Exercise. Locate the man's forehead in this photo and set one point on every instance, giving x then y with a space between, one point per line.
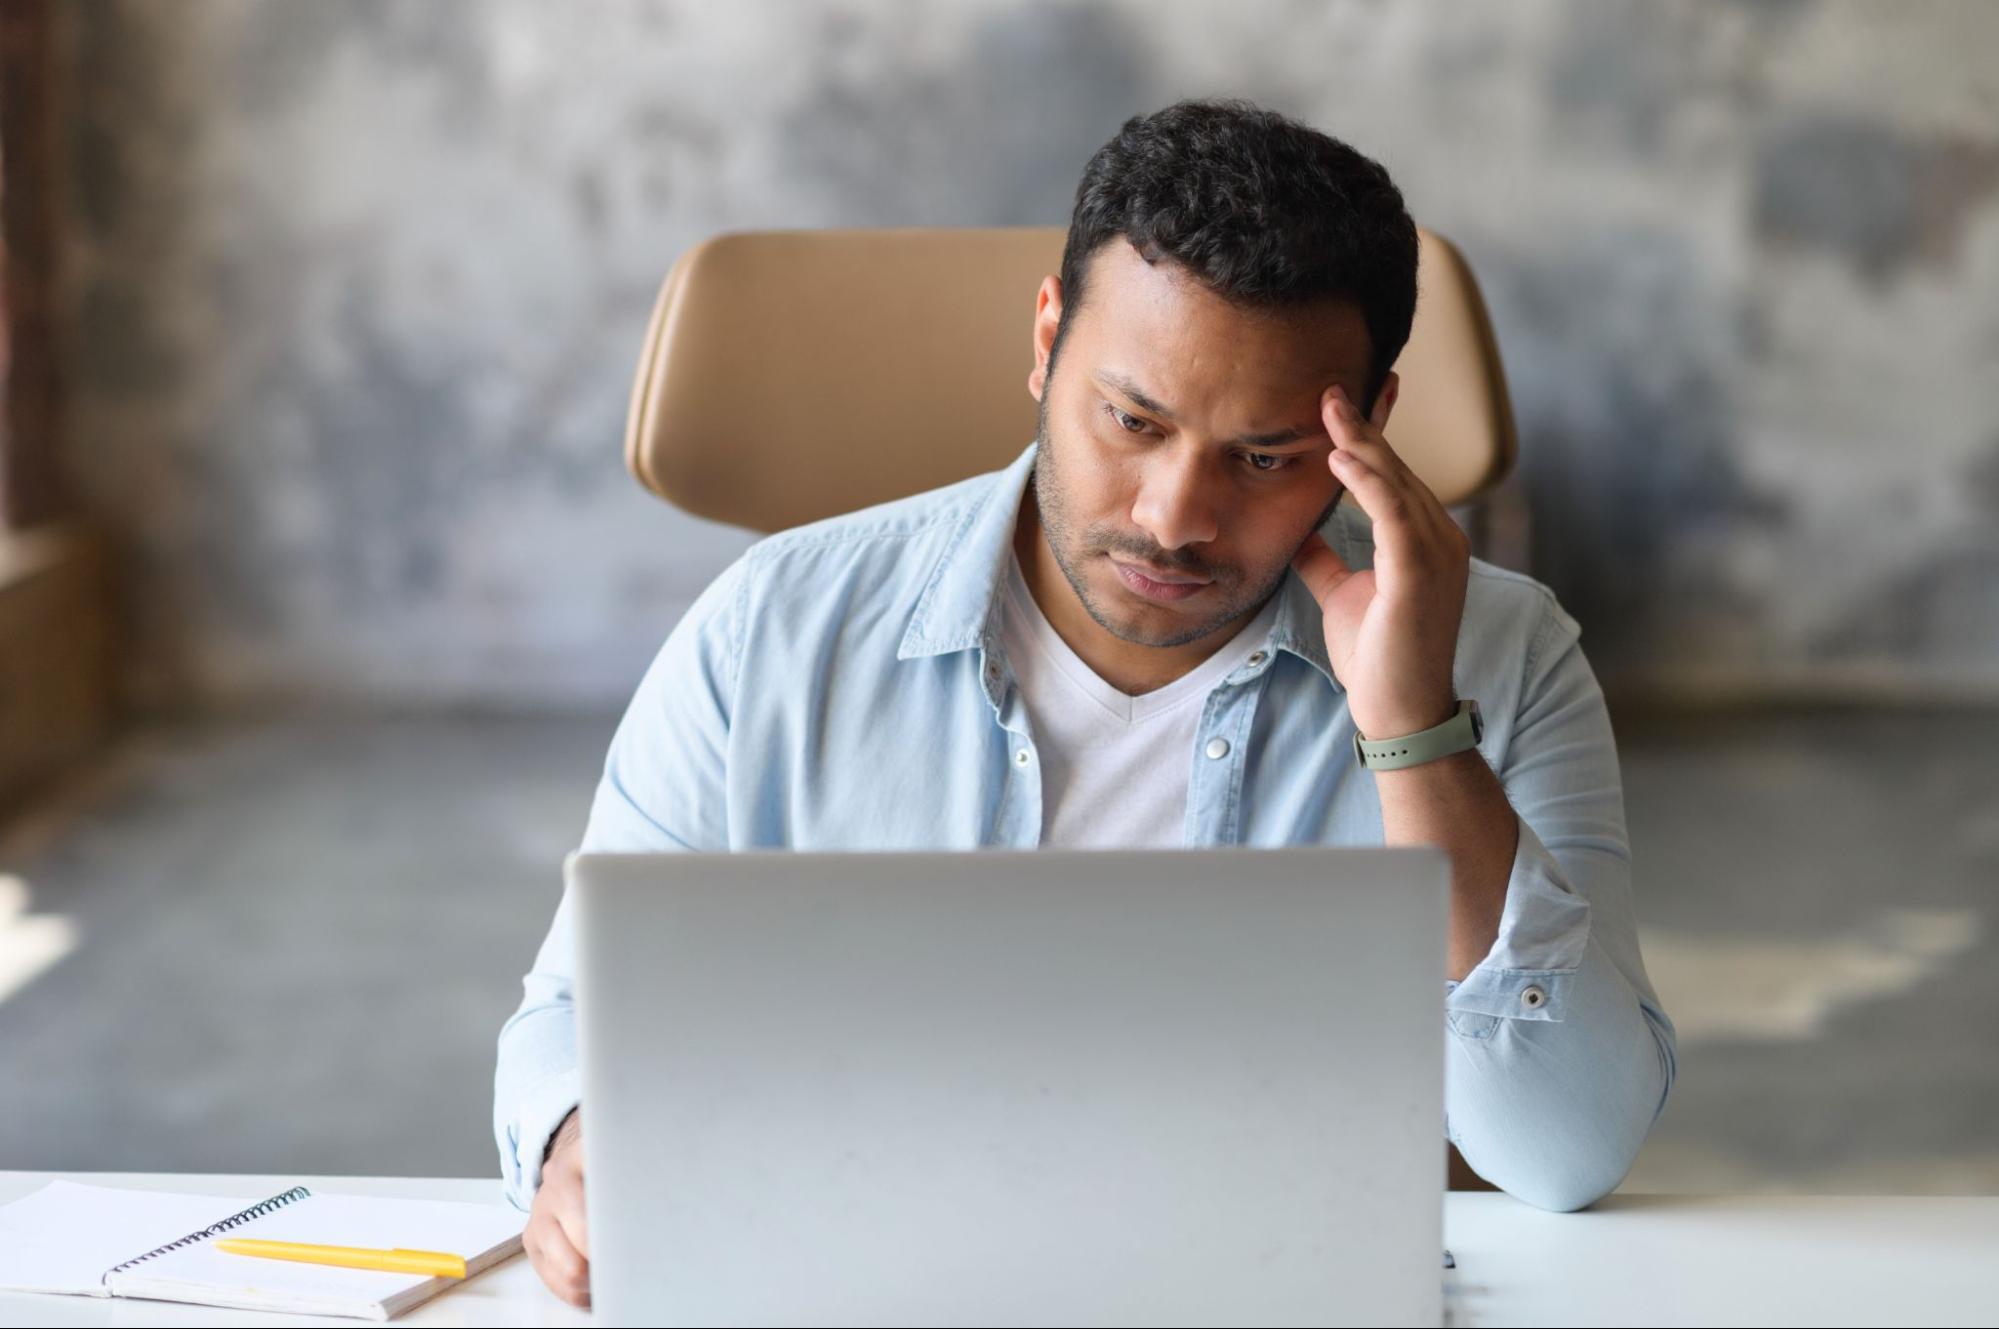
1156 323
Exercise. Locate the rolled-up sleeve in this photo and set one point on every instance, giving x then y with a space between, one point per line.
1559 1055
663 790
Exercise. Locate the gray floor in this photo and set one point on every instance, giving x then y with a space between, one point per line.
285 944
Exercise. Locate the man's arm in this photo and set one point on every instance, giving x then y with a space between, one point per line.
1458 803
1559 1057
663 790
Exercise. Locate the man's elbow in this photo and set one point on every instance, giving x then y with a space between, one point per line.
1575 1168
1571 1184
1573 1178
1566 1166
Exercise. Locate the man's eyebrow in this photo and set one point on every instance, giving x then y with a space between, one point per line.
1110 378
1279 438
1133 391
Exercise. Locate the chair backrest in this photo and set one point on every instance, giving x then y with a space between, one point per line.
794 375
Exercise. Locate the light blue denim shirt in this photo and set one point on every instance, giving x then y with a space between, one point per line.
843 685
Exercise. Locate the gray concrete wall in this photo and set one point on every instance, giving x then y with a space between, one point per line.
359 286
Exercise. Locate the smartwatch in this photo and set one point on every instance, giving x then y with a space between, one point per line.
1463 730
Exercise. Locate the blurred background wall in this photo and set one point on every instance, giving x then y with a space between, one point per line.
359 287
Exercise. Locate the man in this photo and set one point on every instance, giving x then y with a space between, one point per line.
1136 635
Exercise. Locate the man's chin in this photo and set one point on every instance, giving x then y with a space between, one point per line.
1143 623
1135 623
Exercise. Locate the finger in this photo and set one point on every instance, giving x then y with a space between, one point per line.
1322 570
1350 431
1385 502
1409 523
575 1221
1364 440
1410 501
1409 554
560 1265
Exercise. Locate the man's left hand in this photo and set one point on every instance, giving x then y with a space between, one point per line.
1391 630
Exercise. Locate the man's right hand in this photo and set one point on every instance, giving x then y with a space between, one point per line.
557 1236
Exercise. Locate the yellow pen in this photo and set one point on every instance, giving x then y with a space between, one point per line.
397 1261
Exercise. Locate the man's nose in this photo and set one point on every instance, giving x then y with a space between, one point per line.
1175 502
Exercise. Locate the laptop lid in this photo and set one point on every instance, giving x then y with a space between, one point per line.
1014 1087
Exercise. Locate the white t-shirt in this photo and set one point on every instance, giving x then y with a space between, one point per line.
1113 766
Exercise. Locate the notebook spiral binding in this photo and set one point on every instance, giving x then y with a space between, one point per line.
257 1210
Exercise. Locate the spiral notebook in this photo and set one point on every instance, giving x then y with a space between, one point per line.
101 1241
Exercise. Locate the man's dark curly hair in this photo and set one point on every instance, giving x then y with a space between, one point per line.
1263 210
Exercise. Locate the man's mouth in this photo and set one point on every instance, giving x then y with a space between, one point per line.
1156 585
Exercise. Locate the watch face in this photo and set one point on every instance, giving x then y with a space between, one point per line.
1477 725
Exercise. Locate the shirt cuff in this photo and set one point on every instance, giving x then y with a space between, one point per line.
541 1111
1543 930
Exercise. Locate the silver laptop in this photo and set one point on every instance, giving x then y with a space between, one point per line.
1053 1087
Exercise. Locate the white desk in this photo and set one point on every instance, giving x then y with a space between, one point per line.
1634 1259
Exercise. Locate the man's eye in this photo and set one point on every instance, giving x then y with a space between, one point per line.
1276 463
1131 424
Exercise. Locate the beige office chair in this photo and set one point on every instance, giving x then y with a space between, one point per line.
794 375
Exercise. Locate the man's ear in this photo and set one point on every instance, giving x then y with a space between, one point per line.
1384 401
1047 318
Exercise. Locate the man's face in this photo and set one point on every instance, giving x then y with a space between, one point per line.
1182 433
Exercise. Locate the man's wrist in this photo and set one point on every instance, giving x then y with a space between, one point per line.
1456 734
565 1131
1401 724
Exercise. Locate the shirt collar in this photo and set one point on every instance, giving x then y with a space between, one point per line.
960 604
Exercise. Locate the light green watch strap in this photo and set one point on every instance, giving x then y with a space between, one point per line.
1461 731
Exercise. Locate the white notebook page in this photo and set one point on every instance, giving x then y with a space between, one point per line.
64 1236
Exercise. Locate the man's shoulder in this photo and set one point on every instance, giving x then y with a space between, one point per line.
881 546
1514 622
895 519
1516 595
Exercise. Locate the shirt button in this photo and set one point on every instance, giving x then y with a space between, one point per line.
1532 997
1256 657
1020 757
1218 748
